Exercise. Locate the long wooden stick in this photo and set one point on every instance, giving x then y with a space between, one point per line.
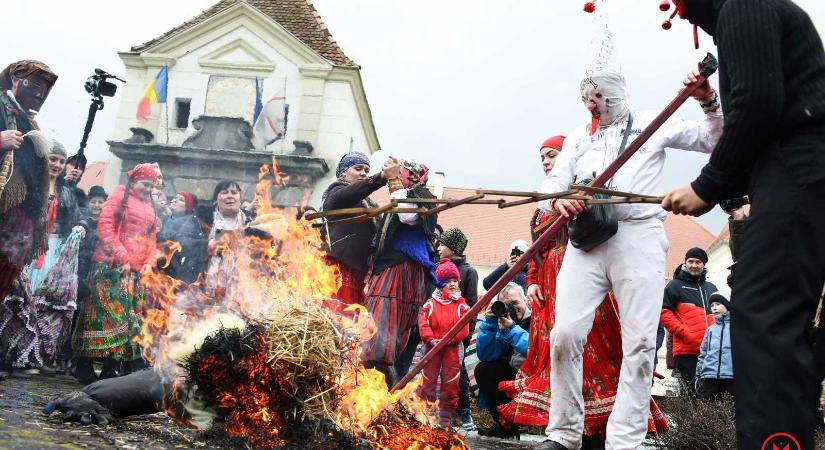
537 198
460 202
597 190
708 68
508 193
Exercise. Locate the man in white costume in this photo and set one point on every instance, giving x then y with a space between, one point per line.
631 262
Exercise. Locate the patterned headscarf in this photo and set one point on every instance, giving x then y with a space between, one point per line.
24 68
349 160
413 173
142 172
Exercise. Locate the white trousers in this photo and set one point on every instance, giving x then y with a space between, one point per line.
632 262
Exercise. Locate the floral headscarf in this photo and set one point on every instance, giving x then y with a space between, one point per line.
413 173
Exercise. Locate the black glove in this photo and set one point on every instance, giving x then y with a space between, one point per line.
80 407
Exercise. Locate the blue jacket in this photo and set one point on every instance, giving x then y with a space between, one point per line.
510 344
715 360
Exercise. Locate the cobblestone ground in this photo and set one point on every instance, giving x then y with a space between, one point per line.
24 427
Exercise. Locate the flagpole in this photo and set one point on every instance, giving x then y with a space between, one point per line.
285 120
166 112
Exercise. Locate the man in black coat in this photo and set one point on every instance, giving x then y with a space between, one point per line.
772 78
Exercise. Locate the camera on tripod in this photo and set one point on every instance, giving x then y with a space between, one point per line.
99 87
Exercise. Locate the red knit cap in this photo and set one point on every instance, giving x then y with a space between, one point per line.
554 142
446 270
188 201
142 172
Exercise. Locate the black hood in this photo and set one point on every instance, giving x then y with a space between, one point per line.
704 13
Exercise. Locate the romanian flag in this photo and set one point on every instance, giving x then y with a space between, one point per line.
155 93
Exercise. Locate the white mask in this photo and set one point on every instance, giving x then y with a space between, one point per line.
609 92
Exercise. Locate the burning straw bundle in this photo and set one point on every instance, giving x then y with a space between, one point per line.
307 350
269 379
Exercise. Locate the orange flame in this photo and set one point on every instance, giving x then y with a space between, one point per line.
249 278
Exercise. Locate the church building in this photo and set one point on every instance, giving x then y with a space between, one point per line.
220 65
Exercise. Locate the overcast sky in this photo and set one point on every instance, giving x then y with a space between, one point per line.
470 87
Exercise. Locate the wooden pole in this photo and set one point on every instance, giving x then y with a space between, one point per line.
709 66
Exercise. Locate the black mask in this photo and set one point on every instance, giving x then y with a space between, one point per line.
703 13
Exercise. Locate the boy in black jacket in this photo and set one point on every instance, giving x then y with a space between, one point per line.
772 79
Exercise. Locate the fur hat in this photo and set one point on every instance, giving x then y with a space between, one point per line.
445 271
697 253
718 297
455 240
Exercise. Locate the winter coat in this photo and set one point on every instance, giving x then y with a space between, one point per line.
351 244
491 279
686 311
132 238
71 209
510 345
438 315
469 280
188 263
715 358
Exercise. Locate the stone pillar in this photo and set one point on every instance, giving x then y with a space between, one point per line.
312 101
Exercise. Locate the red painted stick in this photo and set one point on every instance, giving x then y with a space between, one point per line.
708 67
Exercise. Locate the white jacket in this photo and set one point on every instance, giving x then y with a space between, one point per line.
583 155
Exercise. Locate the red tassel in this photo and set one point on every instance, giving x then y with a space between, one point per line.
664 6
589 7
667 24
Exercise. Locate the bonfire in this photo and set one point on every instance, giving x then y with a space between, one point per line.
264 361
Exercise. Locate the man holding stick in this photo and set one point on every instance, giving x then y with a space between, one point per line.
773 148
630 262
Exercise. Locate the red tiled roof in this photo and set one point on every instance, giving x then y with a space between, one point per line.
94 175
724 234
684 233
490 230
299 17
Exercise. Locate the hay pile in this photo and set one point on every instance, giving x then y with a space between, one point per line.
309 352
267 380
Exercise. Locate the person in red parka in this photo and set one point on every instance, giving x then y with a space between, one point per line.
111 318
686 313
437 316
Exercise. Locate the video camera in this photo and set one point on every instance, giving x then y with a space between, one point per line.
99 87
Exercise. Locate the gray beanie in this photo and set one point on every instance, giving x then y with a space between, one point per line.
58 149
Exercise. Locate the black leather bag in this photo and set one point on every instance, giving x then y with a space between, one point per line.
597 223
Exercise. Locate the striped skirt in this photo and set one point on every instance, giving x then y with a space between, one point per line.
351 290
394 298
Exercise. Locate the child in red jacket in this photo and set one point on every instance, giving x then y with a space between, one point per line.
437 316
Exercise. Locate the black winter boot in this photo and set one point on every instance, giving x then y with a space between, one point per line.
108 370
84 371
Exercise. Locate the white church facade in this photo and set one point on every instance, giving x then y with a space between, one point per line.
218 61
